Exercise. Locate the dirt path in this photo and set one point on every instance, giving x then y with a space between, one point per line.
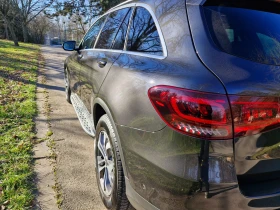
75 167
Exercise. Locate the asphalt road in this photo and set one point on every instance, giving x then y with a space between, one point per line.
74 148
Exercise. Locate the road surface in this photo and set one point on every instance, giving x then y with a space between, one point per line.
75 166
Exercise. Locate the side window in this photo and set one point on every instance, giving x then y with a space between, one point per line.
143 34
92 34
119 41
111 28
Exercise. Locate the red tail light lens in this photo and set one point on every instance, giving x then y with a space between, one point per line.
209 116
252 115
198 114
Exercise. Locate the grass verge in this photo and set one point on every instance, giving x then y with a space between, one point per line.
18 73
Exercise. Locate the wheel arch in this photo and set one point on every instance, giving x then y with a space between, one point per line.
99 108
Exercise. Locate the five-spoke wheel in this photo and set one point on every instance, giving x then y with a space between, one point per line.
109 170
105 163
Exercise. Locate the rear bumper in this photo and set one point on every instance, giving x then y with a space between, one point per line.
165 170
224 197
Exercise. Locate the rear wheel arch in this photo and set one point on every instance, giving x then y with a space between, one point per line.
99 108
97 113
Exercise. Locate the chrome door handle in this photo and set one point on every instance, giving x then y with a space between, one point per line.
102 63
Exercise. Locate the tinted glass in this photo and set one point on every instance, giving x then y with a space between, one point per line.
92 34
121 35
111 28
246 32
143 34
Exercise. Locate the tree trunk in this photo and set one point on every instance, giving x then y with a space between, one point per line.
14 37
6 30
25 32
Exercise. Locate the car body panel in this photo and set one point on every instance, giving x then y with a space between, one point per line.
73 68
164 169
92 75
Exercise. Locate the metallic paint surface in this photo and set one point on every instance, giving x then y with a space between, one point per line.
73 68
92 75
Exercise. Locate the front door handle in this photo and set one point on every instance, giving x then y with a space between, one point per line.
102 63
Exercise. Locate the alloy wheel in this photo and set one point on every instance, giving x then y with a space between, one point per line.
105 163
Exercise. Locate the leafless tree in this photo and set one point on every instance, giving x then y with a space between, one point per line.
38 28
30 9
9 13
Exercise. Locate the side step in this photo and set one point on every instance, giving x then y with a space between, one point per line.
83 114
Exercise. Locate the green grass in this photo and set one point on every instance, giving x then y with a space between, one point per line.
18 73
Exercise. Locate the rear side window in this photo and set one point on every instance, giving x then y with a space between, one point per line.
92 34
111 28
143 35
246 29
121 35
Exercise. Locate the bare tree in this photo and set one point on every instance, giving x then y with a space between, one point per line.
30 9
38 28
5 27
9 13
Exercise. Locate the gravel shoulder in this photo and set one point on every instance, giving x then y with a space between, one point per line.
75 173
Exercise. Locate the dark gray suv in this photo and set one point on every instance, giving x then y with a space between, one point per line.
183 97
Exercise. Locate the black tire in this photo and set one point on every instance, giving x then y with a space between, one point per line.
67 86
117 200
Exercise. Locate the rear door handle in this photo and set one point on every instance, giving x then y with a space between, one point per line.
102 63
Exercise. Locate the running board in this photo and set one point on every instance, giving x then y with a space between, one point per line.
83 114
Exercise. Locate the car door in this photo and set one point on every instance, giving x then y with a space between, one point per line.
95 63
74 63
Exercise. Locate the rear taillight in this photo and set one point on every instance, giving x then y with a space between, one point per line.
198 114
253 115
209 116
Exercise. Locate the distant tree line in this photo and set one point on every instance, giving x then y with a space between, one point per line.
30 20
17 17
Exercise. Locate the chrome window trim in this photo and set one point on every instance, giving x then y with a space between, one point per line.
133 6
128 52
119 5
128 29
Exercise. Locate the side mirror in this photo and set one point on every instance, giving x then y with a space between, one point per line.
69 45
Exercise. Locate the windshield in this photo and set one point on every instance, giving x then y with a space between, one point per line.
245 31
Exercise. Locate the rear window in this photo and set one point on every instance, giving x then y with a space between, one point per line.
247 29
